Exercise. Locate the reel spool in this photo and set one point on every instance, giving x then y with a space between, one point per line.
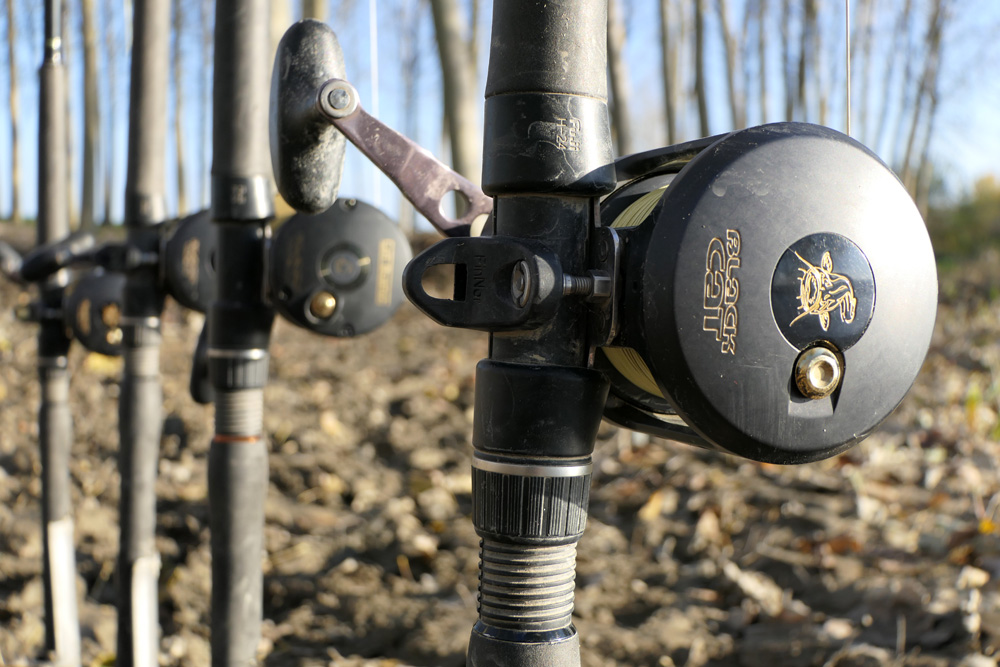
338 273
780 293
188 261
92 311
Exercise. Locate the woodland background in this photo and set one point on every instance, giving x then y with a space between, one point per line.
886 555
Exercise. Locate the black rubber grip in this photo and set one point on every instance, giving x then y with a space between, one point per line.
515 507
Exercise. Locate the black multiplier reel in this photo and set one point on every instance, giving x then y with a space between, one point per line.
88 308
770 293
337 273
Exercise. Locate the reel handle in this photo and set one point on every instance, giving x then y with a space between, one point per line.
51 258
314 110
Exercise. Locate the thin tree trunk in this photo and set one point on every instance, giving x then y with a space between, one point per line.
91 116
459 75
618 76
474 34
67 38
787 59
729 47
891 61
926 90
762 58
178 64
745 49
207 56
280 19
669 63
701 91
315 9
410 58
864 41
805 45
819 71
925 172
110 118
15 114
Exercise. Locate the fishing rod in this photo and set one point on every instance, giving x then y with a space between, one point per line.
239 328
140 406
335 273
768 293
55 428
115 309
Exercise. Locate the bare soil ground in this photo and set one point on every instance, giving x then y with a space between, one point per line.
886 555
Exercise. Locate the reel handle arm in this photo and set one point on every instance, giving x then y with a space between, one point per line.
423 179
51 258
80 249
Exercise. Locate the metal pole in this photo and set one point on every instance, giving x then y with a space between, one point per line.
55 428
239 326
547 160
140 406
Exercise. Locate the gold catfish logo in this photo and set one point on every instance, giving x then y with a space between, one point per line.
821 292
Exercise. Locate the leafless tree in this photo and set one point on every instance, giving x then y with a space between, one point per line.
762 58
315 9
207 56
861 57
669 54
892 60
788 59
460 90
15 114
67 38
411 12
730 48
700 84
91 116
111 50
925 107
178 67
618 78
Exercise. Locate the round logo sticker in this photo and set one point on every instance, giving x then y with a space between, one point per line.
823 289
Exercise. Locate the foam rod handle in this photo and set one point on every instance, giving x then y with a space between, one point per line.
307 152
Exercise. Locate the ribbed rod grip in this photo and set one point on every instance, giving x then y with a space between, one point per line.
529 507
525 587
239 413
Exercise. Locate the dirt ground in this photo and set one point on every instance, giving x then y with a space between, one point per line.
886 555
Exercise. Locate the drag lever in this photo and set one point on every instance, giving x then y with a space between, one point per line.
423 179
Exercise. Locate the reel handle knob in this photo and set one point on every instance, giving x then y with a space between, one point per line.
307 152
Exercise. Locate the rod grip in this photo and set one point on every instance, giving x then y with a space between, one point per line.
140 418
237 486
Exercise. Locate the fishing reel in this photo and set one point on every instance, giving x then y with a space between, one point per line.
187 266
92 311
770 293
92 304
89 310
337 273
